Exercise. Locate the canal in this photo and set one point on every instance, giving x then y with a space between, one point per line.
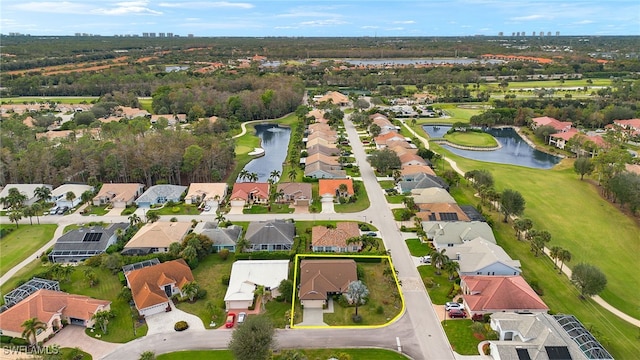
275 142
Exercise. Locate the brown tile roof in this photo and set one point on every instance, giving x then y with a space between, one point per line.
316 113
242 190
329 150
159 234
427 209
382 139
44 304
207 191
499 293
319 277
549 121
408 157
329 186
415 169
330 136
297 190
329 160
119 192
324 236
146 284
631 123
321 127
335 98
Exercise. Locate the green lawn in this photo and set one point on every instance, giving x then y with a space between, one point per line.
209 275
387 184
460 336
177 209
74 354
556 83
96 210
23 242
197 354
472 138
311 354
275 209
417 247
395 199
276 312
441 286
362 203
146 104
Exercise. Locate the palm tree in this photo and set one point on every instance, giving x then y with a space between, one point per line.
43 193
31 329
564 256
189 253
27 211
190 290
147 355
91 277
152 216
37 208
174 249
86 196
438 259
522 226
274 175
343 188
101 319
15 216
134 219
293 174
220 217
70 196
242 245
244 174
451 267
253 177
554 252
14 199
397 175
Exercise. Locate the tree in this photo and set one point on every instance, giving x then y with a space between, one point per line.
70 196
511 203
564 256
152 216
101 319
522 225
147 355
286 289
31 327
438 259
27 211
554 253
174 249
451 267
189 253
15 216
293 174
588 279
42 193
242 245
37 211
357 294
190 289
112 262
583 166
384 160
274 175
244 174
14 199
253 340
86 196
134 219
375 130
480 178
362 103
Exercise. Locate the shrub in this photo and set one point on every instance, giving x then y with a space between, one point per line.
223 254
225 280
379 310
536 287
173 219
181 326
202 293
428 282
4 339
19 341
356 318
175 209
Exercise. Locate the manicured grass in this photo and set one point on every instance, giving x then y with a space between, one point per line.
177 209
395 199
556 83
439 292
146 104
383 295
417 247
275 209
23 242
276 311
209 275
386 184
95 210
460 336
472 138
74 354
361 203
197 354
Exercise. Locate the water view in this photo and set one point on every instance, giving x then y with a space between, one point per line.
514 150
274 141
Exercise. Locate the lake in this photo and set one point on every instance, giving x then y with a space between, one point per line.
275 142
514 150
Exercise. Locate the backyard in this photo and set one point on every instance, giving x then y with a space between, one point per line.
22 242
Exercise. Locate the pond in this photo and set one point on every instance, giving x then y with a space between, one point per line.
275 142
514 150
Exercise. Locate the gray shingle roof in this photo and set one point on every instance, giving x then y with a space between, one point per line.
271 232
166 191
73 240
219 236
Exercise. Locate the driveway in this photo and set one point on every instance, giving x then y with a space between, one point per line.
72 336
163 322
236 209
327 205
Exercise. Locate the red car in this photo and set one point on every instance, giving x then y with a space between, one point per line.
457 313
231 319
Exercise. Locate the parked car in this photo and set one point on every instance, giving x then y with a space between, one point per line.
426 259
207 208
241 317
231 319
54 210
456 313
453 305
372 233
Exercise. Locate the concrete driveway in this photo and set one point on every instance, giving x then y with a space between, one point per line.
163 322
72 336
236 209
327 205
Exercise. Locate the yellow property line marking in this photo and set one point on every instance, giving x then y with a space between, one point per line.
295 287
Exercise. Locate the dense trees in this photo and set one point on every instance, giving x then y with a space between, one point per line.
588 279
385 160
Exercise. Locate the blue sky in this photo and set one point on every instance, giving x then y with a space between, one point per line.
321 18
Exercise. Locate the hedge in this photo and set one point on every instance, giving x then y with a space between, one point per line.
264 255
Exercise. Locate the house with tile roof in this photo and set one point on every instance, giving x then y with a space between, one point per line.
247 193
319 141
274 235
416 169
432 195
408 159
493 294
118 195
298 194
331 136
247 275
482 257
335 98
52 308
631 125
153 286
59 194
326 150
447 234
222 237
320 170
27 190
211 194
327 160
320 279
561 139
382 140
160 195
559 126
156 237
331 188
80 244
325 239
441 212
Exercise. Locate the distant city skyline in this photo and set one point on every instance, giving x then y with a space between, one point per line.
321 18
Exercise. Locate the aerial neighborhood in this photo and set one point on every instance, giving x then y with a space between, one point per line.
436 209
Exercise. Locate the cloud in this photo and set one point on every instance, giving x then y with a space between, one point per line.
127 8
63 7
583 22
528 17
324 22
206 4
404 22
305 13
395 29
369 27
286 27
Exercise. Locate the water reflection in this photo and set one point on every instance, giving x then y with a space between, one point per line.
275 141
514 150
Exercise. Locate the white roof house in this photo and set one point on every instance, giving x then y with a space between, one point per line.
446 234
26 189
246 275
432 195
59 194
482 257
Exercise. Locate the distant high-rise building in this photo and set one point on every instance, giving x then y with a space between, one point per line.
518 33
145 34
557 33
513 34
500 33
541 33
78 34
190 35
523 33
548 33
152 35
169 34
161 35
533 33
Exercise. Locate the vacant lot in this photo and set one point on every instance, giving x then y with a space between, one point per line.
23 242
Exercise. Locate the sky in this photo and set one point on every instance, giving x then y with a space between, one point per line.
258 18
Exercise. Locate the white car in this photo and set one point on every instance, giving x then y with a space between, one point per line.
453 305
241 317
426 259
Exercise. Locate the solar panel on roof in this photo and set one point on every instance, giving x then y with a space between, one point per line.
448 216
92 237
523 354
558 352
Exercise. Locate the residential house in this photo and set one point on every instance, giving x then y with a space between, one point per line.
420 181
325 239
446 234
52 308
248 275
160 195
327 160
80 244
320 279
208 194
323 149
491 294
222 237
482 257
59 194
542 336
274 235
321 127
382 140
408 159
117 195
335 98
332 136
416 169
130 113
318 115
156 237
559 126
320 170
432 195
331 188
247 193
25 189
441 212
383 122
298 194
632 126
319 141
153 286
